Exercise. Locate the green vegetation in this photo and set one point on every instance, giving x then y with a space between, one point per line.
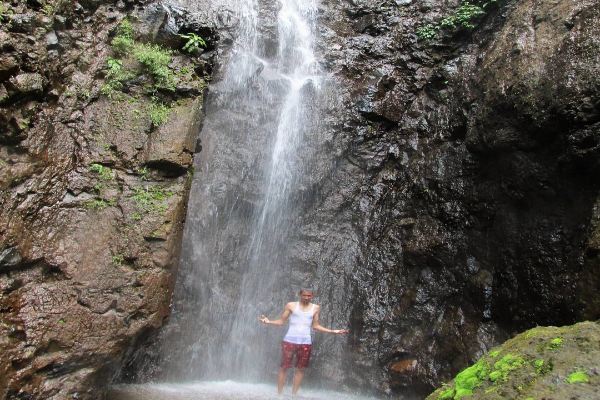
542 367
123 42
428 32
156 62
98 204
118 259
144 173
150 61
464 17
555 343
538 362
504 366
194 42
151 199
115 76
158 113
5 12
483 371
578 377
105 173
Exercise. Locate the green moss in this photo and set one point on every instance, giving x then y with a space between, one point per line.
542 367
470 378
494 353
505 365
555 343
578 377
447 394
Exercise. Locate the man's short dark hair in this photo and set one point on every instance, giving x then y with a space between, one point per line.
306 291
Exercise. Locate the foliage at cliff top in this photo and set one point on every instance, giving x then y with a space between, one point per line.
146 70
541 363
464 17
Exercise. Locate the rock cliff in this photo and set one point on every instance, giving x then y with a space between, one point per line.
96 146
464 205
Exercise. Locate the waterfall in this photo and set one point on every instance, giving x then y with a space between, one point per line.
246 198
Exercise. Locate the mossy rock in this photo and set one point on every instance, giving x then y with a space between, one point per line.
541 363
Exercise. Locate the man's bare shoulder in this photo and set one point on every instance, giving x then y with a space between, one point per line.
317 307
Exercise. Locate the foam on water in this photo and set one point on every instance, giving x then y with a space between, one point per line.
220 390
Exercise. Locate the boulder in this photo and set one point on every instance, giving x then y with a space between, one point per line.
541 363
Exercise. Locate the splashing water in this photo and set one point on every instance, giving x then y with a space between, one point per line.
245 198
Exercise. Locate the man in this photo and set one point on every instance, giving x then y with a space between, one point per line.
303 316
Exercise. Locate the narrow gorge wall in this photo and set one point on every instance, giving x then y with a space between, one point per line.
463 206
94 183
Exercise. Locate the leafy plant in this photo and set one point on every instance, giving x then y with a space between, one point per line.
151 199
143 173
158 113
462 18
123 42
106 174
427 32
194 42
156 61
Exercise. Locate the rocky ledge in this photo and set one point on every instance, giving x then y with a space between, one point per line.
99 112
541 363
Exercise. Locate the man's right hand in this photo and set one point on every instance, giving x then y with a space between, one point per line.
263 319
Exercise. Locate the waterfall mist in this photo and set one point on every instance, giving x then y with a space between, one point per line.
248 194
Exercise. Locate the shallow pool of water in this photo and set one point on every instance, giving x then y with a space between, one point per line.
223 390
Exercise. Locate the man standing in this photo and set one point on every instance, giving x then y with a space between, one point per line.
303 316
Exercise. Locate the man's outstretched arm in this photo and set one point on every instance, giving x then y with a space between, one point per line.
317 326
278 322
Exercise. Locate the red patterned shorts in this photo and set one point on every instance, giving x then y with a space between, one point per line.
302 352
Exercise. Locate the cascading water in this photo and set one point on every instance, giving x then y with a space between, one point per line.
254 182
244 202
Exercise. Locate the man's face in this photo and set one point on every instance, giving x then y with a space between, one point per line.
306 297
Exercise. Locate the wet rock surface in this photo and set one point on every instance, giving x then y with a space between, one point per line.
461 208
541 363
93 194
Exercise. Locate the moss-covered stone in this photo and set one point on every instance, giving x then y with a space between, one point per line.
544 362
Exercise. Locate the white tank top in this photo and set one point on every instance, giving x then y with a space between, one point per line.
300 324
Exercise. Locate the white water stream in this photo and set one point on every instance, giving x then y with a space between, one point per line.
244 205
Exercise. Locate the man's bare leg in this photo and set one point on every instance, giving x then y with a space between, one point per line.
298 375
281 380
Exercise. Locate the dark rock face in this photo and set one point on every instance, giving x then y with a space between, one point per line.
93 196
461 208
